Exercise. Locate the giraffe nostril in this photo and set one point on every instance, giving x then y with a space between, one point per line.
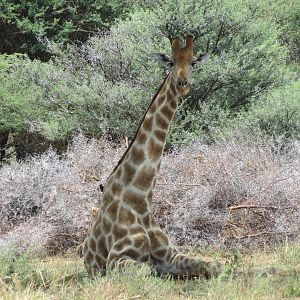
182 83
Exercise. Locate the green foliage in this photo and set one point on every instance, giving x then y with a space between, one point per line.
246 61
287 15
28 25
275 116
13 109
56 101
206 122
104 85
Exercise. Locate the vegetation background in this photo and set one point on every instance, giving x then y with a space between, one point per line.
75 79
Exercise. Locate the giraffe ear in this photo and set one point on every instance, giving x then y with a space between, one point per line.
164 59
200 59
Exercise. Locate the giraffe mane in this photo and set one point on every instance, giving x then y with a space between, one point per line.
135 135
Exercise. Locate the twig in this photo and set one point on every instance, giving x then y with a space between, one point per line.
262 233
259 206
184 184
126 142
234 226
95 177
44 284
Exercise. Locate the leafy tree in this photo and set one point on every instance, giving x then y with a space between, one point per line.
287 15
27 26
275 116
104 85
247 58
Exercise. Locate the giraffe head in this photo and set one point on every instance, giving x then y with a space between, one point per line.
182 62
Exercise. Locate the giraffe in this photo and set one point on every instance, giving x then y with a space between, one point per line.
124 232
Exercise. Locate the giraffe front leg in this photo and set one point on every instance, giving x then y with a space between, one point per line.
183 266
168 261
121 263
129 253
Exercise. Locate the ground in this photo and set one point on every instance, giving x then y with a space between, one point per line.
259 274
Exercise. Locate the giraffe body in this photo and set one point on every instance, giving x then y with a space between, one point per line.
124 232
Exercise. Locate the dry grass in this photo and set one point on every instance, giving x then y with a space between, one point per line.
46 201
258 275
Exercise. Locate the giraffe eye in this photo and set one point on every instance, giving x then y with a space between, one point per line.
169 64
194 63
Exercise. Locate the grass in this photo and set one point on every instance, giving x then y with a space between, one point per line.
260 274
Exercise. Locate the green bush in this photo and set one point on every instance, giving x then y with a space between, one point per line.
27 26
275 116
247 60
56 101
105 85
287 15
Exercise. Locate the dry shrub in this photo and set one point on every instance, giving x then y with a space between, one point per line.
233 194
47 200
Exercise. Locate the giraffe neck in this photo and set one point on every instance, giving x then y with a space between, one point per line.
141 161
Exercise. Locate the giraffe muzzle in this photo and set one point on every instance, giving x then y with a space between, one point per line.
183 87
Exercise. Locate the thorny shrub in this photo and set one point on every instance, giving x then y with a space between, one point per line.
227 194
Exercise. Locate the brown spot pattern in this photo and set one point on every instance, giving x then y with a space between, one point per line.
147 124
170 95
89 257
141 138
154 150
137 155
116 189
107 198
140 242
99 261
137 230
144 178
109 241
161 135
153 107
126 217
164 239
96 231
122 244
101 247
119 232
169 254
106 225
150 195
128 173
155 243
173 88
160 252
136 201
173 104
92 244
167 112
160 100
113 209
161 122
132 253
146 221
119 172
158 239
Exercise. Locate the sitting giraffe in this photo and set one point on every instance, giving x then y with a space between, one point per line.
124 231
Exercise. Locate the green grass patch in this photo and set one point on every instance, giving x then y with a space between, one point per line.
261 274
